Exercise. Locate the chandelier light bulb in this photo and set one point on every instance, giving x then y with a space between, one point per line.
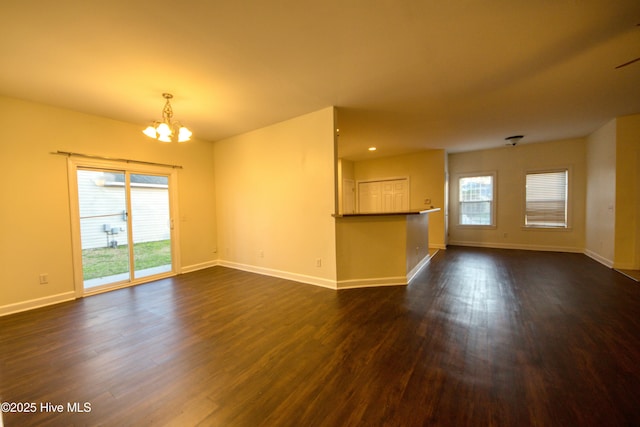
150 131
184 134
163 129
167 130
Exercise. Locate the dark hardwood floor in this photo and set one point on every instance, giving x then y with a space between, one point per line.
481 337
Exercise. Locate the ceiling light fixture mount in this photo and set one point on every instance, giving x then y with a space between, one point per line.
513 140
167 130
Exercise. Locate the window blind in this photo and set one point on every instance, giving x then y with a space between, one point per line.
546 199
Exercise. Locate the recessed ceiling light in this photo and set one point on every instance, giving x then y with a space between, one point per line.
372 148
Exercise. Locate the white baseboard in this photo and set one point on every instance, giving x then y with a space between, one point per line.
36 303
327 283
200 266
296 277
415 270
495 245
602 260
372 282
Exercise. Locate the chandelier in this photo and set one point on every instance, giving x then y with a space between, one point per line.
167 130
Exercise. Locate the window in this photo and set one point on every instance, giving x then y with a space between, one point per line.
476 196
546 199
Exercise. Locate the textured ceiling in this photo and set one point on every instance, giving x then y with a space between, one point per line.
405 74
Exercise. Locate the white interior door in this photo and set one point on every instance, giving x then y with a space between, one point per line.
395 196
369 197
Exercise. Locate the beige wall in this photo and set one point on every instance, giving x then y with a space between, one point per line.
275 199
371 250
426 172
36 235
601 194
381 250
627 228
263 201
510 165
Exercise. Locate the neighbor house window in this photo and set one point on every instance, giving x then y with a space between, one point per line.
476 197
546 199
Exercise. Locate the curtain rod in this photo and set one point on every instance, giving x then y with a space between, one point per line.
91 156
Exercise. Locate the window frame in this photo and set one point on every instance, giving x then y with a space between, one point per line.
568 199
494 201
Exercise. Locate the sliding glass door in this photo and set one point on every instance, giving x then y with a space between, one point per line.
151 224
124 229
102 200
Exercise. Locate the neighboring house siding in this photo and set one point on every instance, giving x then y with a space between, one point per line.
151 221
99 198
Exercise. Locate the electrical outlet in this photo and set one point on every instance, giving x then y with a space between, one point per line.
318 262
44 278
261 254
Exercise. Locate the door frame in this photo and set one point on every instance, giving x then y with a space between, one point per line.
75 163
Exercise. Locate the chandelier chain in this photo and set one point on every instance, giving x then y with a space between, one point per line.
167 111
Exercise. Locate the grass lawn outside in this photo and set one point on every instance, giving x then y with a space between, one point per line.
103 262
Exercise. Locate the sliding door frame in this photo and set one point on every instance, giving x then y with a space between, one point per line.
75 163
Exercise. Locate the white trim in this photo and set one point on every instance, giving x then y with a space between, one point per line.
327 283
303 278
36 303
199 266
322 282
372 282
602 260
74 219
415 270
517 246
